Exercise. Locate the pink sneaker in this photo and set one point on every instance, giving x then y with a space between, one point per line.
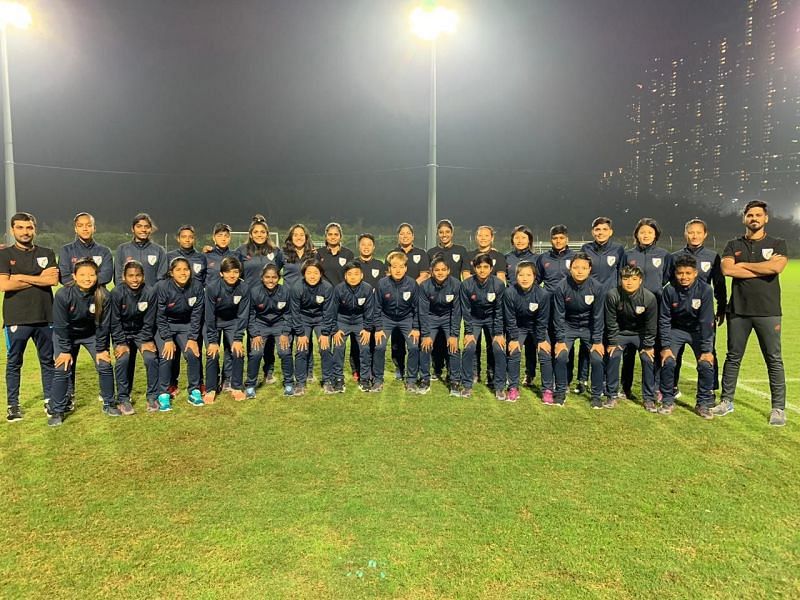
547 397
513 395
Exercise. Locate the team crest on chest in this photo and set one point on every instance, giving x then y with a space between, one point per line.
271 256
766 253
320 299
406 295
91 308
696 302
611 260
376 272
237 299
416 258
494 261
142 306
152 259
705 266
98 260
566 262
13 329
192 300
491 296
639 309
588 298
533 306
456 257
361 301
448 297
42 261
656 262
196 267
281 304
342 261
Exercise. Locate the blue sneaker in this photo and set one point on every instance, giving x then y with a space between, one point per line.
195 398
164 402
723 408
250 393
288 390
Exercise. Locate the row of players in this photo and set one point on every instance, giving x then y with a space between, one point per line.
655 261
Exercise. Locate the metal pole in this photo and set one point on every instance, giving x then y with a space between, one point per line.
432 166
8 142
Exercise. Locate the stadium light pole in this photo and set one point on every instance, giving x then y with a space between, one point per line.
11 13
428 22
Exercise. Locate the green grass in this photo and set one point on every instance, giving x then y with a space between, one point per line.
356 496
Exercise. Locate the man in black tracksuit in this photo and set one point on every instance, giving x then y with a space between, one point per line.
631 321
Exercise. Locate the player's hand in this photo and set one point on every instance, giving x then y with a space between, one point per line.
238 349
283 342
324 342
452 345
168 351
212 350
707 357
363 337
414 336
597 348
64 360
192 347
338 338
302 343
427 344
102 356
513 346
256 342
121 350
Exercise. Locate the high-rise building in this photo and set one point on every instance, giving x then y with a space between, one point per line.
721 124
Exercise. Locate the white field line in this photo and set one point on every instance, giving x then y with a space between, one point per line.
762 381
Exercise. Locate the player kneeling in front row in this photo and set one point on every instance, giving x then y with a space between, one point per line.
527 315
179 319
133 325
81 317
270 317
687 317
578 315
351 312
440 317
631 322
396 301
227 308
482 310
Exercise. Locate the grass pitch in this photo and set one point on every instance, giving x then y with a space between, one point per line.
386 495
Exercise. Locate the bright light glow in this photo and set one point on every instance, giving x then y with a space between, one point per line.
12 13
429 23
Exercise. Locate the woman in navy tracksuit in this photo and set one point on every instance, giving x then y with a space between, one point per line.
152 257
227 308
308 300
133 328
440 317
351 314
522 250
270 320
258 252
297 248
221 234
482 311
527 316
179 320
81 317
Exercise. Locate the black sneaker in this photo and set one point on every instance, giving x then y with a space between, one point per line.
597 403
377 386
328 388
365 385
55 420
423 388
704 412
112 411
412 388
455 391
339 387
14 413
580 387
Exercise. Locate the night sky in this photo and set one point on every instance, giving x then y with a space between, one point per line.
301 109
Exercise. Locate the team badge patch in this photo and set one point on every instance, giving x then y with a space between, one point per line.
237 299
705 266
406 295
13 329
416 258
456 257
376 272
361 301
196 267
533 306
611 260
142 306
91 308
494 261
639 309
567 262
449 297
192 300
320 299
42 261
588 298
656 262
696 302
491 296
766 253
98 260
281 304
271 256
152 259
342 261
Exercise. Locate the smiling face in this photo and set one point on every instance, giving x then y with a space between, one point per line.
142 230
482 271
397 269
579 270
222 239
646 235
559 241
270 279
180 273
366 247
259 234
695 235
133 278
84 228
440 272
298 237
23 232
186 239
333 237
231 276
520 241
484 238
631 283
353 277
85 277
685 276
755 219
602 232
525 277
312 276
445 235
405 237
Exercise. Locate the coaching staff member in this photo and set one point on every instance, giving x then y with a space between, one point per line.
754 262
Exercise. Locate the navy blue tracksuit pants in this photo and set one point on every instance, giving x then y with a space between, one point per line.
58 401
468 356
271 340
17 337
303 357
403 328
125 367
226 335
515 360
193 363
630 344
595 362
705 371
364 352
439 330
